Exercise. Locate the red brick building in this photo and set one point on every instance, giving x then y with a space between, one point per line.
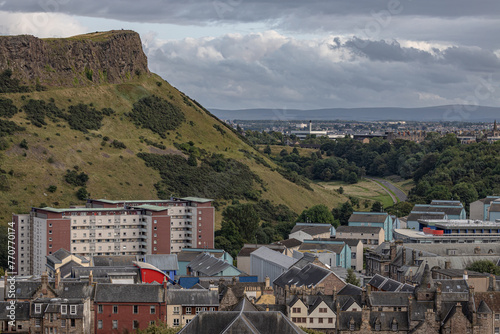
120 308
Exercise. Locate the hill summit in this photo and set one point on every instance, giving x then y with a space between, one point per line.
102 57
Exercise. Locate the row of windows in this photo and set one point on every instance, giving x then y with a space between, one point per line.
72 323
135 309
64 309
114 324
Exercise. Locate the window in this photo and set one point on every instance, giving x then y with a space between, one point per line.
50 231
212 309
320 320
322 310
135 324
63 322
394 326
38 308
99 309
377 326
152 310
115 324
64 309
497 330
115 309
72 309
135 309
73 323
99 324
38 322
151 323
176 322
198 310
176 309
497 316
296 310
311 320
188 310
330 320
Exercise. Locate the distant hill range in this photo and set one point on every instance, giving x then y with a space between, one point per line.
461 113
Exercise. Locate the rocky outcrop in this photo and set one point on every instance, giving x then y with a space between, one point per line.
103 57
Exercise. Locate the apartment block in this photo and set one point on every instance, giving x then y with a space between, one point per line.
106 227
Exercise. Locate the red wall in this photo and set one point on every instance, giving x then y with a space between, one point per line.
126 317
150 276
61 232
162 231
207 227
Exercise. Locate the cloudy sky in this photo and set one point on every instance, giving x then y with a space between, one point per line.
296 54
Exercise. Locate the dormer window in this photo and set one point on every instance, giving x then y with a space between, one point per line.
72 309
64 309
38 308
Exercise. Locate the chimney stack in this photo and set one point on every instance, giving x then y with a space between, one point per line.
268 282
447 264
45 283
91 278
58 279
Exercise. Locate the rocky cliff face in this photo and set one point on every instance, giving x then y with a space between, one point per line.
104 57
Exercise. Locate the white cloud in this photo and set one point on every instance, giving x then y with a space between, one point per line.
271 70
40 24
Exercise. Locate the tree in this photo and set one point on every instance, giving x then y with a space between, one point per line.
82 194
484 266
317 214
244 217
345 213
192 160
267 149
159 328
351 277
377 207
295 151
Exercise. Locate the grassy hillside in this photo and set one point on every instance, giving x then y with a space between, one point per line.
117 172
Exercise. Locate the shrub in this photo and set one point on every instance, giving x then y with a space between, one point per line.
9 128
7 108
82 194
156 114
11 85
52 188
75 179
83 118
23 144
118 144
36 110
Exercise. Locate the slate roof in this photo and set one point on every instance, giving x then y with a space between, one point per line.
386 320
349 242
388 299
492 299
207 265
312 230
246 251
345 319
105 272
26 289
241 323
350 290
289 243
359 229
308 276
22 311
113 260
449 210
74 290
274 257
245 305
60 255
446 202
483 308
163 261
188 256
336 248
368 217
494 207
377 281
416 215
189 297
129 293
305 260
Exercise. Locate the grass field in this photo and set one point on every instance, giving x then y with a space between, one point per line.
366 190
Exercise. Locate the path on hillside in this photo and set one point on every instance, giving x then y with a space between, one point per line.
388 185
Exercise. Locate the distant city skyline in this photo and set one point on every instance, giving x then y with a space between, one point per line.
237 54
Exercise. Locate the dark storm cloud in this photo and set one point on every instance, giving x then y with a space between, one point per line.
202 11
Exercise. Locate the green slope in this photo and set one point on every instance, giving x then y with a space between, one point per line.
118 173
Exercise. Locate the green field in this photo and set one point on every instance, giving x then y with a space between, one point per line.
367 191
